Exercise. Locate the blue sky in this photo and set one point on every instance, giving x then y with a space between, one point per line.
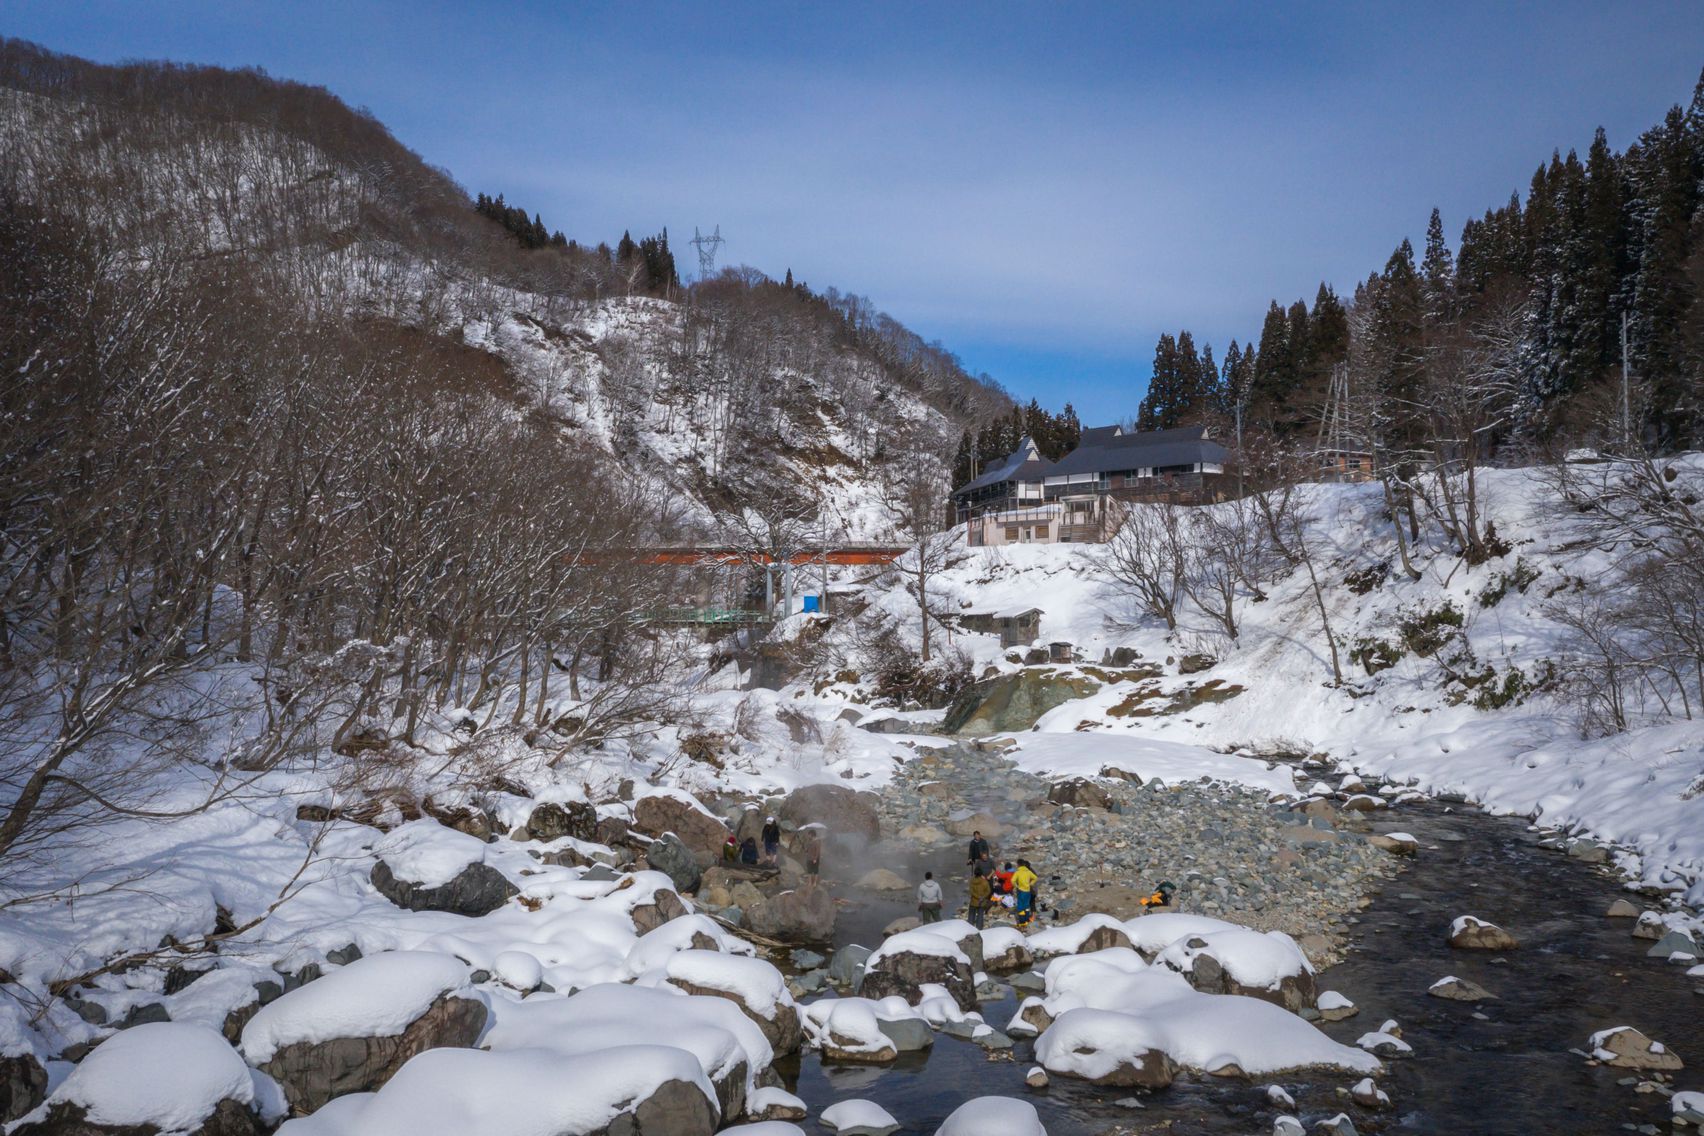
1044 188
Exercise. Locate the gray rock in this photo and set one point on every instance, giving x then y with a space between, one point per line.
667 854
802 915
1675 942
702 833
676 1108
904 973
312 1073
23 1085
908 1034
1459 990
551 821
144 1014
846 968
1622 909
228 1118
807 960
1339 1125
848 815
478 889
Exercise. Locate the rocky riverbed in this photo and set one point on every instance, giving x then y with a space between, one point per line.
1101 846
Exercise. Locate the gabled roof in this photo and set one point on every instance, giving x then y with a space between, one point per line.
1099 435
1142 449
1023 464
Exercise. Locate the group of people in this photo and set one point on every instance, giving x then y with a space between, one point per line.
1012 886
745 851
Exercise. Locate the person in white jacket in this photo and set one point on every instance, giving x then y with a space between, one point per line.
929 899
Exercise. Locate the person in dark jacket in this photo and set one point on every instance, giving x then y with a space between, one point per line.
748 850
771 841
979 851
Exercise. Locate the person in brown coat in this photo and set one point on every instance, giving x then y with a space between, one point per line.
981 896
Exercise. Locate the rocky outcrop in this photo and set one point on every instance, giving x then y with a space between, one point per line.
23 1085
1013 701
477 889
802 915
675 860
697 829
314 1072
846 813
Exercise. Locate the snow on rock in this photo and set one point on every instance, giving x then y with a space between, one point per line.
171 1075
470 1092
728 1048
774 1103
1005 948
688 933
1384 1043
517 970
425 853
1687 1108
993 1116
375 996
850 1029
1469 932
752 984
1154 1008
1334 1007
858 1118
1093 932
765 1128
1264 965
1626 1048
1152 934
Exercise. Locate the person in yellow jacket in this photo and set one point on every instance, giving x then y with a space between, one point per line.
1023 890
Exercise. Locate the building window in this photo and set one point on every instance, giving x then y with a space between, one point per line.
1011 532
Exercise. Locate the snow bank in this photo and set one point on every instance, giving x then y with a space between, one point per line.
1073 754
376 996
857 1114
1068 938
455 1092
1152 934
167 1074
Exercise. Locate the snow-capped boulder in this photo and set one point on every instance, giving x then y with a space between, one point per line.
911 959
351 1030
1368 1095
658 907
1335 1007
551 821
1396 843
1080 793
517 970
1687 1108
1626 1048
993 1116
424 866
848 1029
633 1090
1093 932
161 1077
772 1103
1005 949
858 1118
1151 934
1470 933
1107 1048
1458 990
756 987
765 1128
1269 966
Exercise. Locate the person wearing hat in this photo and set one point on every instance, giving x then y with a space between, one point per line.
771 841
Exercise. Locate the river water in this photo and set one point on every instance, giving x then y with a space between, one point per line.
1508 1070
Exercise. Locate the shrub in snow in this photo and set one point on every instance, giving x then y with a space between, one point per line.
659 1090
353 1029
424 866
858 1118
993 1116
1269 966
166 1076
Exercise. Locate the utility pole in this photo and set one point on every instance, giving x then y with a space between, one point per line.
706 247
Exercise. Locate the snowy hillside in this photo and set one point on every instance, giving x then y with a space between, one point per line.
1455 682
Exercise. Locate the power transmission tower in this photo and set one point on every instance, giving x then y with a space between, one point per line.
706 247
